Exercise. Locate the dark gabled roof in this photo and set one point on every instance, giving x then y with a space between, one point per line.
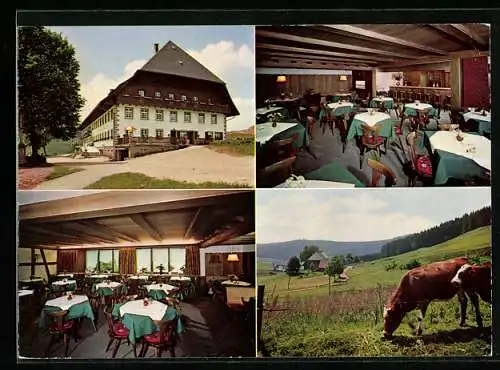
318 256
172 60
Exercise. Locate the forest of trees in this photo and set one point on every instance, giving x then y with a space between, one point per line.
435 235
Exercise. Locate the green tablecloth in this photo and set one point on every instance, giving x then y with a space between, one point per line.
139 325
157 294
448 165
386 131
337 112
334 171
484 127
106 291
413 112
76 311
63 288
302 139
387 103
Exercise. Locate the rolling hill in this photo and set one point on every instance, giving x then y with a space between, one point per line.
284 250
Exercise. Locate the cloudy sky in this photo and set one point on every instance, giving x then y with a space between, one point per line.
109 55
359 215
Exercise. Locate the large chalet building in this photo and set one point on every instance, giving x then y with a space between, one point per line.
171 100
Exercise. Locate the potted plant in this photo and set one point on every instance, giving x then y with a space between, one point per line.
144 270
160 268
275 117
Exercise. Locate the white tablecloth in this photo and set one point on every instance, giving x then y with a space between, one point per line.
372 119
447 140
144 277
339 104
102 276
235 283
167 288
268 110
180 278
266 131
111 285
382 98
420 106
315 184
477 116
65 275
155 310
61 282
22 293
64 303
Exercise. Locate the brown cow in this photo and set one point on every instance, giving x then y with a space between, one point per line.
475 280
419 287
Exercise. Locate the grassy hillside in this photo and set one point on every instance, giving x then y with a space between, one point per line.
58 147
306 321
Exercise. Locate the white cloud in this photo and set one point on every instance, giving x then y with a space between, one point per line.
224 57
360 217
98 87
246 107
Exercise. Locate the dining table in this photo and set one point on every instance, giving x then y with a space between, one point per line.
458 159
314 184
161 291
266 132
334 172
106 288
385 100
483 120
417 108
77 305
235 283
141 317
64 285
372 118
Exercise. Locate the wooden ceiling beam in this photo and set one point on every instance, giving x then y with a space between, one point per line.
190 227
331 44
35 231
299 65
84 235
234 229
293 56
372 35
462 28
108 229
454 33
320 52
141 221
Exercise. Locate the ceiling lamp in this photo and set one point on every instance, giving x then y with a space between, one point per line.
233 257
343 78
281 79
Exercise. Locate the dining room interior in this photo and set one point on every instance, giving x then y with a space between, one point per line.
373 105
136 274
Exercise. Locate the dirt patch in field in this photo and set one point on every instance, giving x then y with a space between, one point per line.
30 178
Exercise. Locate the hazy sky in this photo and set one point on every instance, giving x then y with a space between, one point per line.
109 55
359 215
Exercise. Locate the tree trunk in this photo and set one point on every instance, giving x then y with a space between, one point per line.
329 285
289 278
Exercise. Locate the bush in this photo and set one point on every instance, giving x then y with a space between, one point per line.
392 265
412 264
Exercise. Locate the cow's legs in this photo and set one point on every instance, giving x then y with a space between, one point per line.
475 302
463 306
421 315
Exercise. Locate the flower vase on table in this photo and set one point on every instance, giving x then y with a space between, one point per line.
70 296
295 182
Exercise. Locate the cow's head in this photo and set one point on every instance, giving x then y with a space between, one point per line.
462 271
393 315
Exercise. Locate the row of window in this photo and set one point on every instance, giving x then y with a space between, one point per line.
171 96
146 259
159 133
105 118
105 135
159 116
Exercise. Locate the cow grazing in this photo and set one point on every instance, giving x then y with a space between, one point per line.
475 280
419 287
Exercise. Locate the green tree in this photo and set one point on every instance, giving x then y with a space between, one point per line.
349 259
307 252
49 89
292 268
335 267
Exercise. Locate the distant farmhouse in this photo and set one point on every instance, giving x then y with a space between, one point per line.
172 100
318 261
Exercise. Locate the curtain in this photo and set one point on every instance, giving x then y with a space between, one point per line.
192 260
71 261
128 261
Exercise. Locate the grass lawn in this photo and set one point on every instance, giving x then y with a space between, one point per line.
132 180
236 144
308 322
60 171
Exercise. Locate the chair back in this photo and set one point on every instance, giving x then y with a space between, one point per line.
281 149
109 322
371 133
277 173
379 170
238 295
168 331
57 317
411 140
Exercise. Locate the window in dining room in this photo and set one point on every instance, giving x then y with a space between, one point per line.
106 260
177 258
91 259
160 257
143 259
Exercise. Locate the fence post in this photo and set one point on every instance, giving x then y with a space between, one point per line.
260 309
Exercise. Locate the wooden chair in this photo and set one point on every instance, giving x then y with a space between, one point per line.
371 140
59 327
276 173
421 165
344 124
379 170
327 119
282 149
163 340
116 331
